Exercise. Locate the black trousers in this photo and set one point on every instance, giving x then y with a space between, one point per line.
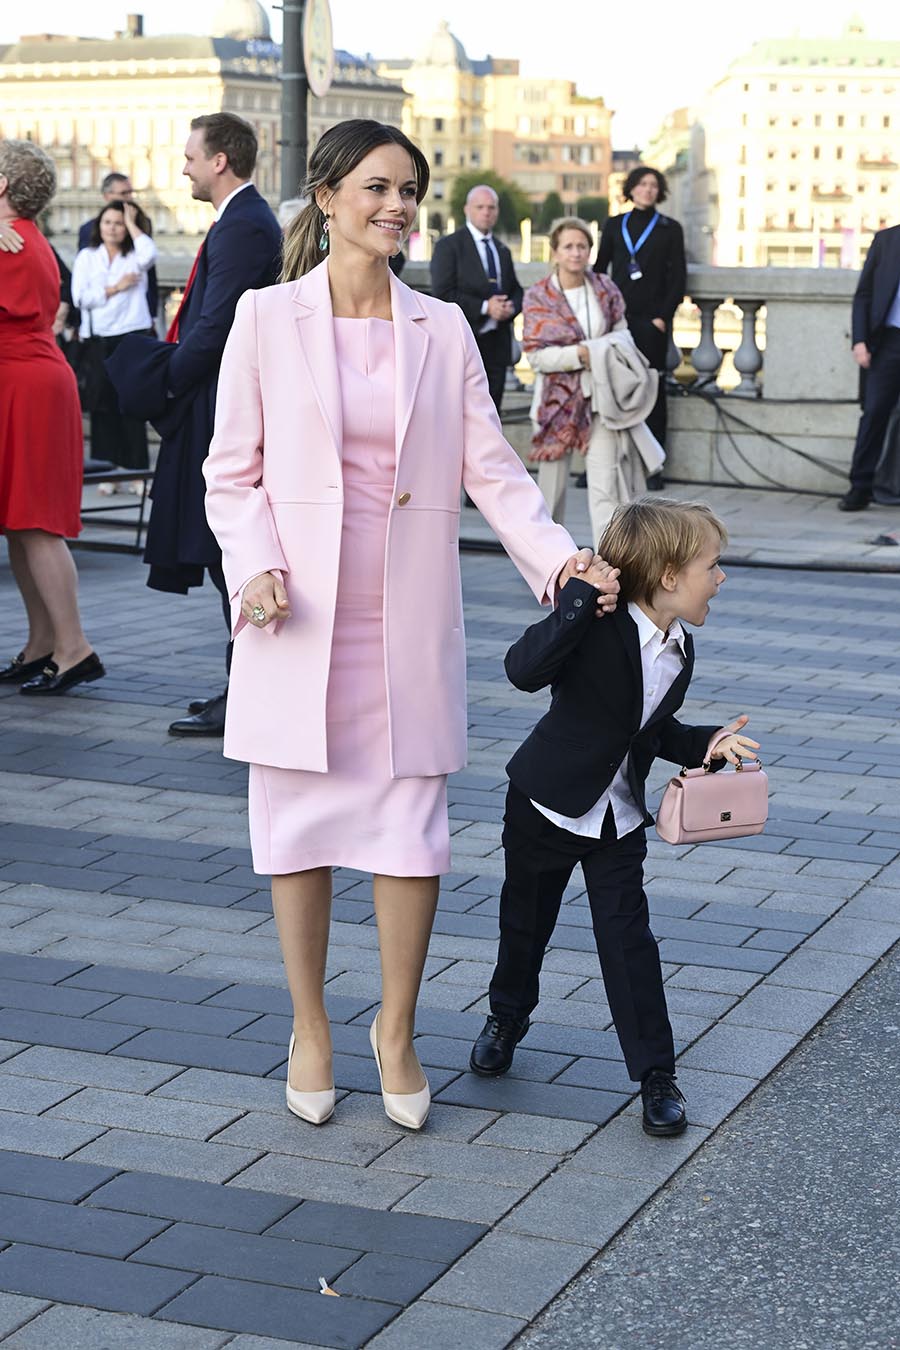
540 859
494 348
217 577
882 389
654 345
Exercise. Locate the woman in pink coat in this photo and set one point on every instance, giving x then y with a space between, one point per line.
350 413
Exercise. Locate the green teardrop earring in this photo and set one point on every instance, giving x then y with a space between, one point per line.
323 237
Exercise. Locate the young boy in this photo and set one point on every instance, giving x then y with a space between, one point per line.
576 792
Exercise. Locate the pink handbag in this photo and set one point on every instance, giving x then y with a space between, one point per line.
698 806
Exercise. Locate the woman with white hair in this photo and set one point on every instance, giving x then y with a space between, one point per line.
41 450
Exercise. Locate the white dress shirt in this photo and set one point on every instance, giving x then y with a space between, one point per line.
489 324
662 658
230 198
111 315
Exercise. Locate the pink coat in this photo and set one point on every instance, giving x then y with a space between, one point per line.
274 501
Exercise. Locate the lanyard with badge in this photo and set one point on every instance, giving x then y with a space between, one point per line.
634 267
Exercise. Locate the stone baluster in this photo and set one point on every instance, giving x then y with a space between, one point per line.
706 357
748 359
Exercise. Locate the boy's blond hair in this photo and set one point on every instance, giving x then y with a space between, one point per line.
651 534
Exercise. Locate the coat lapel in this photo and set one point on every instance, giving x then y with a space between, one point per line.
313 323
627 629
411 344
674 696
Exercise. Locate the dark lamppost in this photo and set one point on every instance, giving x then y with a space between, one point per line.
307 65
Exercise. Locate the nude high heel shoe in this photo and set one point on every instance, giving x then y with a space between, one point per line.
316 1107
405 1108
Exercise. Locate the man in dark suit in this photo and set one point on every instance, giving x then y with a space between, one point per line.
116 187
876 350
173 384
645 251
473 269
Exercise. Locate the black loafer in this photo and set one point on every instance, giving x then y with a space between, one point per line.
663 1101
209 722
20 670
52 680
492 1054
857 499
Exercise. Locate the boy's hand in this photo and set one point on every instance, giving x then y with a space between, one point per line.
732 747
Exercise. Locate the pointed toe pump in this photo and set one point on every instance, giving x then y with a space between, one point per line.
315 1107
404 1108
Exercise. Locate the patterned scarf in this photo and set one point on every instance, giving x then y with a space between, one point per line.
564 415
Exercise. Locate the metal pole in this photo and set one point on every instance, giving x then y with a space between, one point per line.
294 101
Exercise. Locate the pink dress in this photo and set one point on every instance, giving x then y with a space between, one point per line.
356 815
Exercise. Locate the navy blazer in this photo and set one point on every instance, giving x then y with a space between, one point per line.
876 287
593 668
174 386
458 276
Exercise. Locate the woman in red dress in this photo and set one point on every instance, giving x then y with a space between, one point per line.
41 453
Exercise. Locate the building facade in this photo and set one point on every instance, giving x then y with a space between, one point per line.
468 114
791 158
126 103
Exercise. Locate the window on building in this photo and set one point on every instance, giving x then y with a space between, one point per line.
792 187
840 119
773 88
438 158
886 121
437 190
862 120
439 124
817 120
796 121
743 155
885 188
746 89
741 224
842 89
817 152
792 220
795 153
839 152
743 119
770 153
476 158
773 121
742 186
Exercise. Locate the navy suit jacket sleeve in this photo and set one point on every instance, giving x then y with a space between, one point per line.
235 242
862 299
541 652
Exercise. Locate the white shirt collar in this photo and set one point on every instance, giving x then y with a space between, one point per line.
478 235
231 196
647 629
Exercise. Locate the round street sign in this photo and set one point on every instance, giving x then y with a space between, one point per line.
318 46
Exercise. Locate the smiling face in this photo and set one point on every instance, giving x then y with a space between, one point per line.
112 229
373 208
203 170
645 192
572 253
482 209
686 594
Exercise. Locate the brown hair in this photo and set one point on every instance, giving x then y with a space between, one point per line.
651 534
127 244
30 175
225 133
338 152
570 223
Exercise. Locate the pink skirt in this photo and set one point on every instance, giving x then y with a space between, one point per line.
355 815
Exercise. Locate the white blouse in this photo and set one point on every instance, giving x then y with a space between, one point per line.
126 311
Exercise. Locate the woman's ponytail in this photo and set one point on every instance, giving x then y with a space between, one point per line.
301 251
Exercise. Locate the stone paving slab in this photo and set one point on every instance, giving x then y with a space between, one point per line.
142 999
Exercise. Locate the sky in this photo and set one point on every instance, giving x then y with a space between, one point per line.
644 59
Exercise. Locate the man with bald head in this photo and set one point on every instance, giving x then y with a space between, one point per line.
473 269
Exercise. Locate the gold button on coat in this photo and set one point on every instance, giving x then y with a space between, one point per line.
403 498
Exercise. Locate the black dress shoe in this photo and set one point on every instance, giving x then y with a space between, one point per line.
20 670
656 482
492 1054
857 499
199 705
664 1111
209 722
52 680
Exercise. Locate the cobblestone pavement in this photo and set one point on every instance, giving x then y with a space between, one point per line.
149 1167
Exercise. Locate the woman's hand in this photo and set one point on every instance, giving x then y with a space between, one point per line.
10 240
266 591
131 219
660 324
124 283
732 747
588 567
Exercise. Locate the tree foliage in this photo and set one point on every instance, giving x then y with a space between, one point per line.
593 208
550 210
514 204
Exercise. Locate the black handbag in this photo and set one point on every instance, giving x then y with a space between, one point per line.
86 359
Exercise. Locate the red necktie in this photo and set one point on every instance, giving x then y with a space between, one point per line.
172 335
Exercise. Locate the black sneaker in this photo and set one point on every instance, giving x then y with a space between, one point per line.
857 499
664 1111
492 1054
